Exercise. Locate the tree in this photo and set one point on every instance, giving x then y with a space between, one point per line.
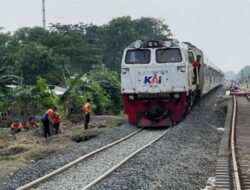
9 80
122 31
22 100
71 95
33 60
37 34
109 81
71 41
244 74
65 50
151 28
6 54
45 96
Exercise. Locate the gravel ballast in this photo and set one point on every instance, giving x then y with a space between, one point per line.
88 170
57 160
183 159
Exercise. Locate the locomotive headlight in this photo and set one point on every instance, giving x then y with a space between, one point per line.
155 44
177 96
131 97
167 44
150 44
137 44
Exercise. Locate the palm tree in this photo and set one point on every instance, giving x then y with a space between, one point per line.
9 80
75 87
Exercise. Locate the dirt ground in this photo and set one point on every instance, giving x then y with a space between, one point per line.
28 147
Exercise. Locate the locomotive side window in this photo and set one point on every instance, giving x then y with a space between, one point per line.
190 57
168 55
137 56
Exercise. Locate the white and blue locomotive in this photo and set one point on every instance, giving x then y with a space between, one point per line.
157 81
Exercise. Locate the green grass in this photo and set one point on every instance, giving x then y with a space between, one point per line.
5 133
77 135
112 124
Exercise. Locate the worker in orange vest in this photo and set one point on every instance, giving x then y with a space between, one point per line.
16 126
197 64
32 123
57 120
86 110
47 120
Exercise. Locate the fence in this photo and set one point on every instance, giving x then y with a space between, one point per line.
5 119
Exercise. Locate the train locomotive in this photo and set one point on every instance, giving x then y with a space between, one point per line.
158 82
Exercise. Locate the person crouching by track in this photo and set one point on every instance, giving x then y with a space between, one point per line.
57 120
16 126
47 119
86 110
33 124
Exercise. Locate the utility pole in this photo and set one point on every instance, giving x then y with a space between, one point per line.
43 12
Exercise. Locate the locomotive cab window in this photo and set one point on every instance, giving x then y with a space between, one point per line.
141 56
190 57
168 55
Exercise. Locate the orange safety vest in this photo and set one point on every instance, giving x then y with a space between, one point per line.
86 108
196 64
16 125
50 113
56 118
33 124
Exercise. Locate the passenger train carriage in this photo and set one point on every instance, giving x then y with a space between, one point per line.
157 81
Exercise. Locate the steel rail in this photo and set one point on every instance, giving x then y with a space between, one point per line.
122 162
67 166
232 143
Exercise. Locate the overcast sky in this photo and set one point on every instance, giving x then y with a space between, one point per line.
221 28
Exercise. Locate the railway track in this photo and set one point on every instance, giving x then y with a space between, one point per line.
233 164
95 166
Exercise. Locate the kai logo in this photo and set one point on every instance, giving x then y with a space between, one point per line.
152 79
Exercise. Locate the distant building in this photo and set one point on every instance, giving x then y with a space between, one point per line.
59 90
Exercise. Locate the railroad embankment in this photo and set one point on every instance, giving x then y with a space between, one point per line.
29 147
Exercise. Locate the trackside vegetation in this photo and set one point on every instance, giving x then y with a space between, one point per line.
82 58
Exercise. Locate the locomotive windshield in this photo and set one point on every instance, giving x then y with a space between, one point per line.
168 55
139 56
